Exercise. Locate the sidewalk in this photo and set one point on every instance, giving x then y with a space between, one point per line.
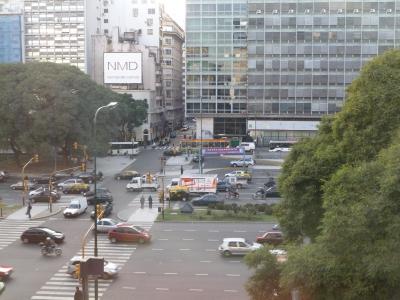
38 211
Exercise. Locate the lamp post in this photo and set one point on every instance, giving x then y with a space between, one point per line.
110 106
201 138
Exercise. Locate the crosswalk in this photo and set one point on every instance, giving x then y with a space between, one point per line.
61 286
11 230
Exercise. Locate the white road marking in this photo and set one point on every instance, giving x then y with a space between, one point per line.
157 249
187 239
163 239
185 249
162 289
211 240
195 290
213 231
201 274
211 250
233 275
167 229
231 291
129 288
190 230
205 261
234 261
240 231
139 272
170 273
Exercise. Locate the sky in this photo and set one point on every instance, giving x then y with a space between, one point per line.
176 9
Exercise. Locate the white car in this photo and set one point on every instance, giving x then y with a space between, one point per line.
237 246
106 224
38 191
279 149
242 162
110 269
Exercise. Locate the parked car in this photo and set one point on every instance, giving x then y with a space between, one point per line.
20 186
44 180
4 175
127 175
37 191
237 246
110 269
44 196
5 272
106 224
206 200
107 207
271 237
39 235
103 195
172 152
76 207
279 149
77 188
69 182
196 158
223 186
185 128
129 233
62 176
242 162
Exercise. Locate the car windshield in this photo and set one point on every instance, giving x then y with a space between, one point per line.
138 228
248 242
74 206
48 230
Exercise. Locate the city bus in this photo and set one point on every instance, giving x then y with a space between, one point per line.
124 148
206 143
281 144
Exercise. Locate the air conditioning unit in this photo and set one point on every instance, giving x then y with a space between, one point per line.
356 10
323 11
291 11
275 11
258 11
372 10
307 11
389 11
340 11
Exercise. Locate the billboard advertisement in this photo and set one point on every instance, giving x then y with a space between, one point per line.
222 151
122 67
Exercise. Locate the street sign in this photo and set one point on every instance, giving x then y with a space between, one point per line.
222 151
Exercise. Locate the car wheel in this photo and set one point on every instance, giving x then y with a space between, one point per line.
234 165
25 240
227 253
106 276
113 240
239 186
118 177
14 188
90 181
141 241
33 200
65 192
226 189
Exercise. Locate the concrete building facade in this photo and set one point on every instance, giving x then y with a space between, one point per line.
251 63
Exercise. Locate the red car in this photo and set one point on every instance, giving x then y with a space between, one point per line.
129 233
5 272
272 237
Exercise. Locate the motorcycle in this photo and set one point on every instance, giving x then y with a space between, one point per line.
50 250
232 194
259 194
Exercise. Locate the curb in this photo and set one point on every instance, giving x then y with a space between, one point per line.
48 215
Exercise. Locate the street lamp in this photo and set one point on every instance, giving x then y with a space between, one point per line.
110 105
201 138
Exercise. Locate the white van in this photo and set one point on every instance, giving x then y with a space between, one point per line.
76 207
248 146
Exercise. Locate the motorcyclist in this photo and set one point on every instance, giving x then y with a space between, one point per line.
49 244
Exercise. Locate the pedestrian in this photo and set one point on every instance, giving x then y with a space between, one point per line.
150 202
28 209
181 170
142 202
78 294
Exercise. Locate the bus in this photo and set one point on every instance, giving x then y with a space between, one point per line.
206 143
124 148
281 144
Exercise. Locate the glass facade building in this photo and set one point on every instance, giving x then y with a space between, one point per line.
10 38
279 60
55 31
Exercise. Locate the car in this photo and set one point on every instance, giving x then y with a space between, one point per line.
4 175
172 152
172 135
206 200
248 146
103 195
276 227
44 180
20 186
106 224
279 149
76 207
196 158
270 237
129 233
2 287
37 191
62 176
110 269
240 174
185 128
39 235
5 272
237 246
89 177
77 188
69 182
242 162
107 207
127 175
223 186
44 196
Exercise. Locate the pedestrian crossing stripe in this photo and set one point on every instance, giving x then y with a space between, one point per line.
11 230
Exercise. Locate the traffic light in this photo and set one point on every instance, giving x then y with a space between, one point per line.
78 271
36 158
75 145
83 167
100 211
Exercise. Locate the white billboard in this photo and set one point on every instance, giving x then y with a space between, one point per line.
122 67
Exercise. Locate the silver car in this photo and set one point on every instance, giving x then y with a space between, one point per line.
237 246
110 269
106 224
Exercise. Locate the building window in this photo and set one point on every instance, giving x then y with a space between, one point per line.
134 1
168 94
105 20
151 11
149 22
106 10
135 12
168 51
168 41
168 83
144 1
150 31
105 31
168 62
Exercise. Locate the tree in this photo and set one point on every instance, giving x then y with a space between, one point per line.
45 106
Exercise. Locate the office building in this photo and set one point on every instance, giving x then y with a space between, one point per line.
11 43
55 32
274 68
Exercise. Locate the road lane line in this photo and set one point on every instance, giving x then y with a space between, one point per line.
233 275
162 289
231 291
157 249
162 239
213 231
211 250
139 272
170 273
234 261
205 261
185 249
190 230
167 230
240 231
212 240
195 290
129 287
201 274
187 239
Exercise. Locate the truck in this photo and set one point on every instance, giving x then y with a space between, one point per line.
200 183
239 182
140 183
